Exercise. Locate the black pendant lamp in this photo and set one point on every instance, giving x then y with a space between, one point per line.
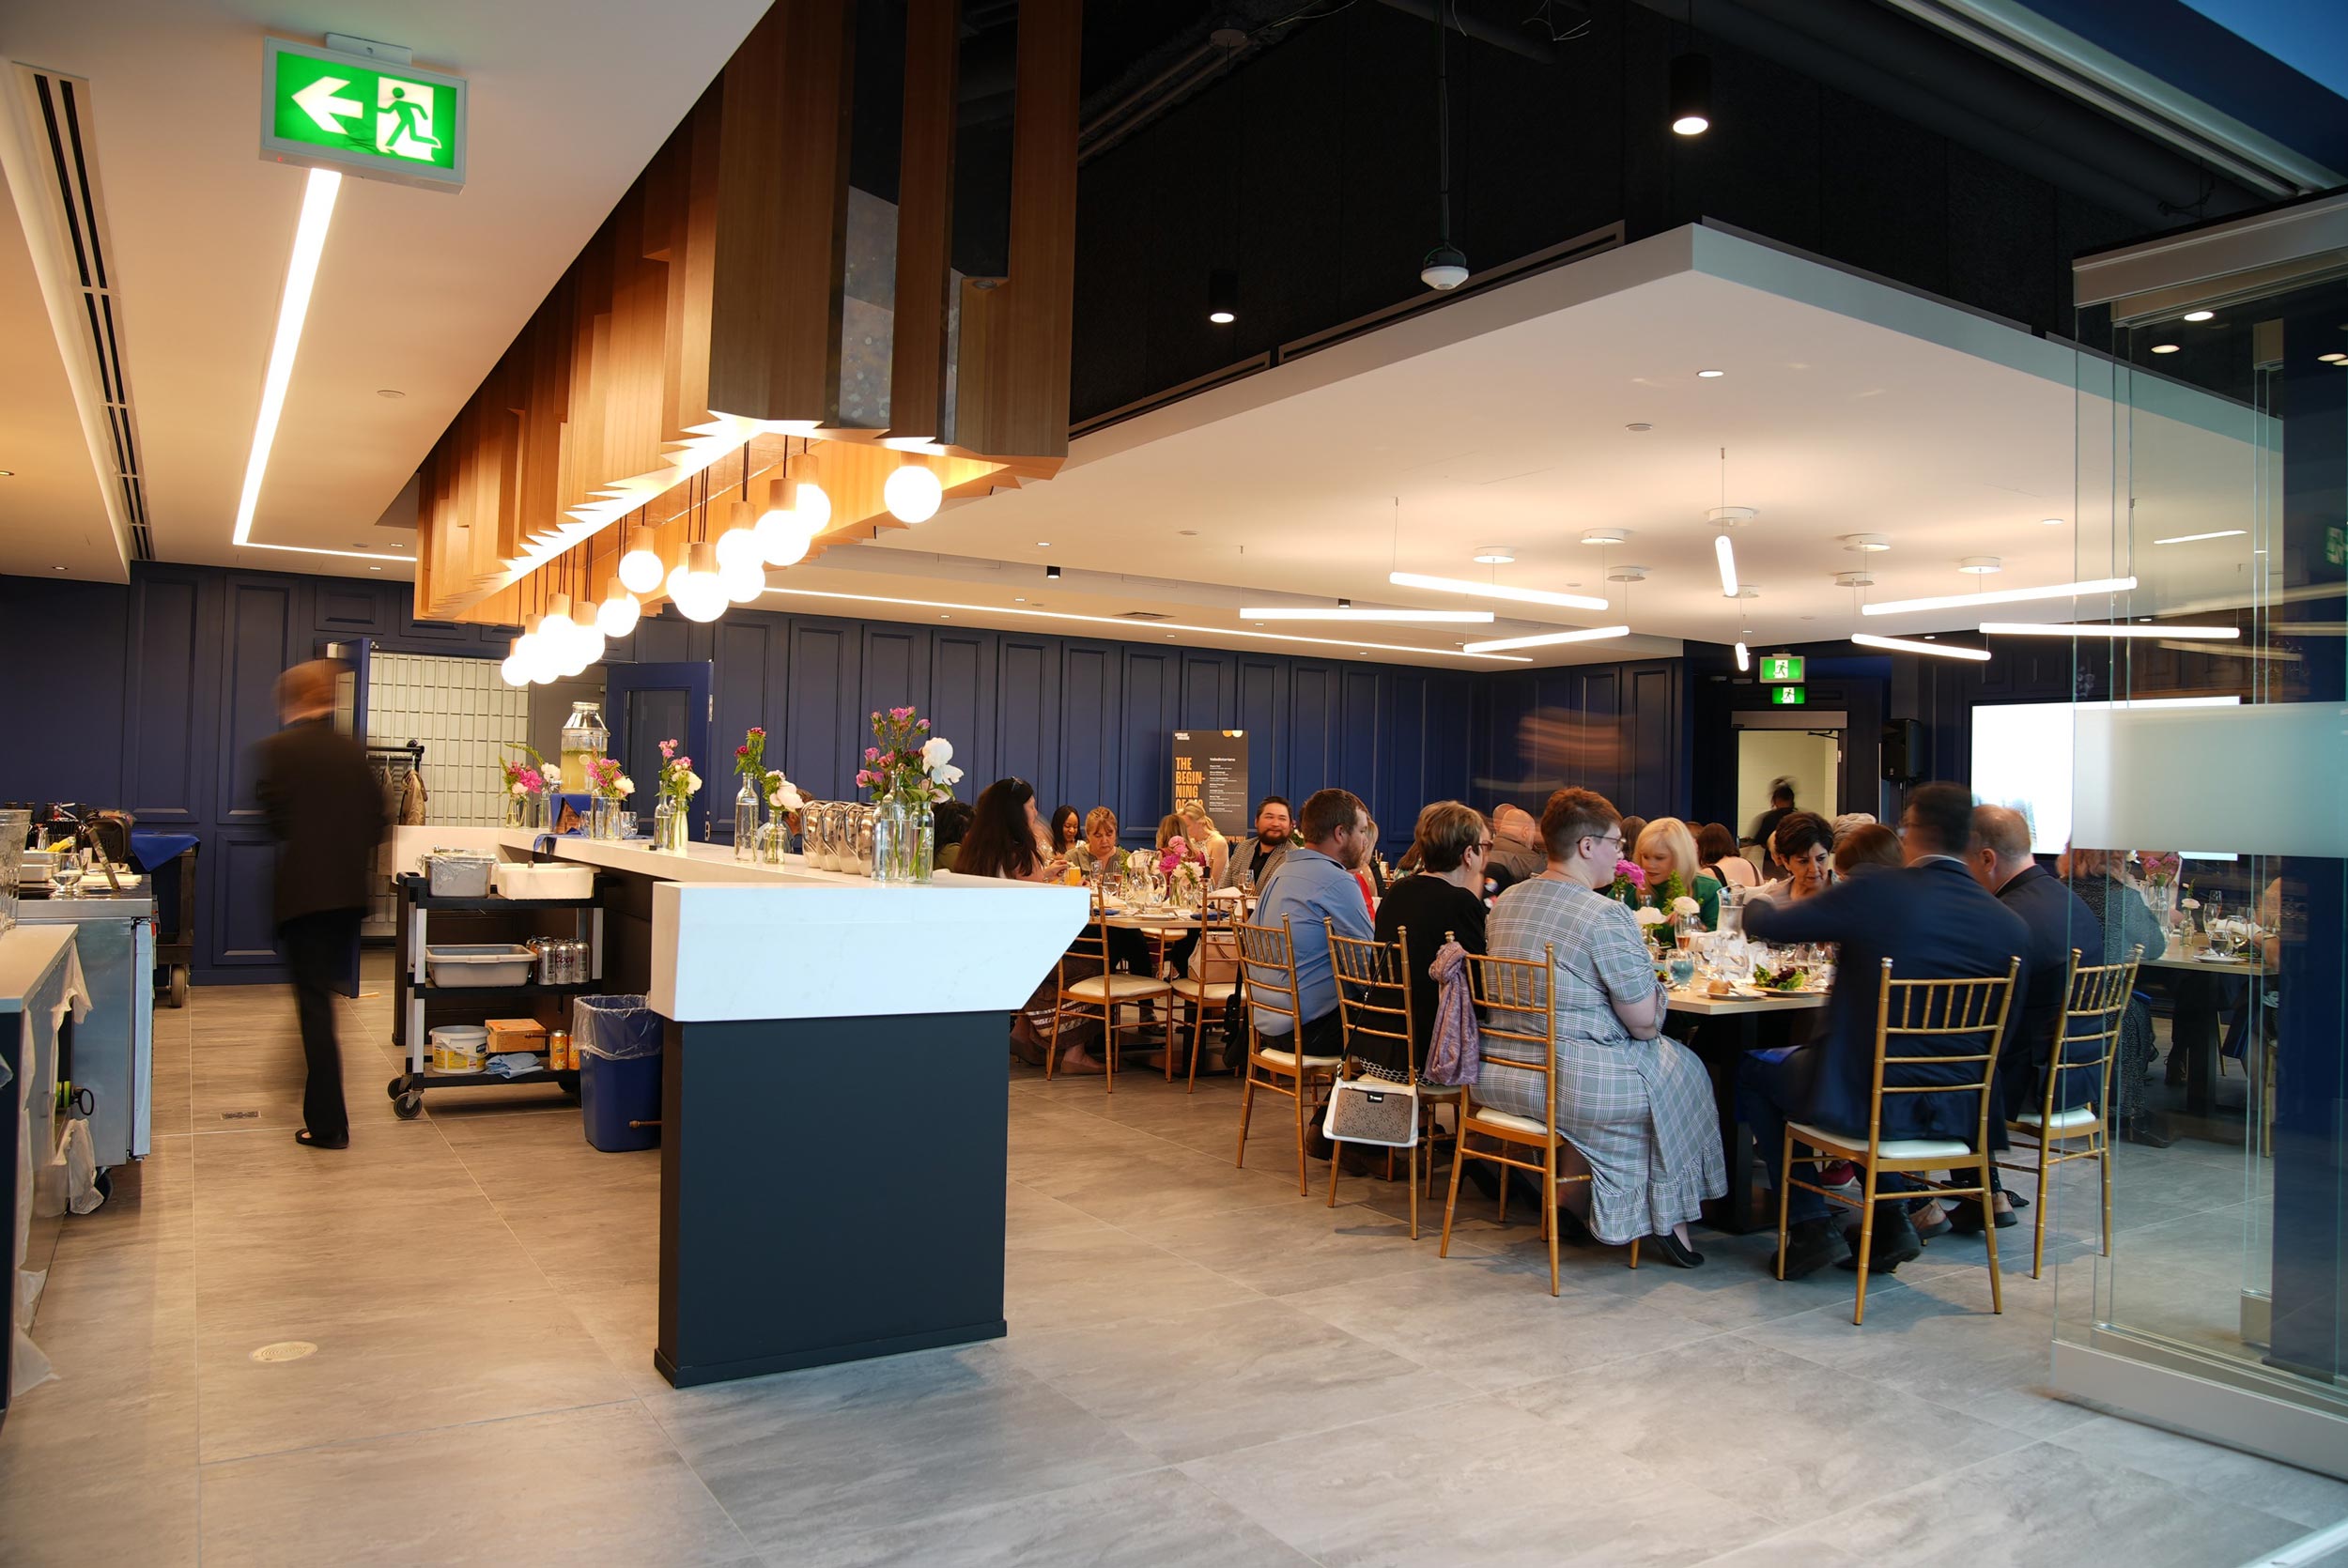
1222 298
1692 94
1447 265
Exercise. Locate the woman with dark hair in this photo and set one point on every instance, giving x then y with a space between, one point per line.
1717 857
1067 830
1007 838
950 820
1869 847
1804 845
1442 898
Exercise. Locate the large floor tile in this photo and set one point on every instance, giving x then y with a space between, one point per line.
802 1458
590 1486
1783 1437
1227 1377
1073 1276
2196 1466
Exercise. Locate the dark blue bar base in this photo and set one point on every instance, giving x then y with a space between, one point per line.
830 1190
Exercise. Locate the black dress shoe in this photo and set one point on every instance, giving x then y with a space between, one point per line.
1810 1246
2150 1130
1663 1244
1965 1218
1895 1242
311 1140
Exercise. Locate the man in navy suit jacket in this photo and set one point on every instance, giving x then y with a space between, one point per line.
1934 922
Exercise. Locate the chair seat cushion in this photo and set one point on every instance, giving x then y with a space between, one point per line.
2079 1118
1891 1148
1116 988
1484 1116
1286 1060
1203 990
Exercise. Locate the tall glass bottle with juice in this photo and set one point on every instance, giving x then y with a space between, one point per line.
584 740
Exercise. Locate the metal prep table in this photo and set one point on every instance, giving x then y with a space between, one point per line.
114 1048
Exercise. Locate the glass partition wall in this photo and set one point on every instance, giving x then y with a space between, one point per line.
2211 763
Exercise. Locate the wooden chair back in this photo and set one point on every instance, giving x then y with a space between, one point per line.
1517 1002
2094 1009
1267 956
1373 994
1943 1015
1089 949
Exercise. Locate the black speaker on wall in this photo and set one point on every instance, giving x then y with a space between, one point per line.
1903 750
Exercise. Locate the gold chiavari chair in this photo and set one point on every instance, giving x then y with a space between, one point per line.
1920 1010
1516 997
1267 957
1215 943
2095 1005
1374 1004
1101 992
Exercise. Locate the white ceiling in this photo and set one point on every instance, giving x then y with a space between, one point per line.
1847 405
419 291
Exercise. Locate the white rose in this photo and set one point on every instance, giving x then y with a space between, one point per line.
627 786
936 752
692 782
785 796
1651 916
518 791
2189 903
1684 905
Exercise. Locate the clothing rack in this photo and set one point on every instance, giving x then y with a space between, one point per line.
392 766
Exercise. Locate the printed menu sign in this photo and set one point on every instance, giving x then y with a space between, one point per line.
1211 766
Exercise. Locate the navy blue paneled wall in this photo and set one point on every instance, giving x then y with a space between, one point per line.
152 696
1087 723
1622 729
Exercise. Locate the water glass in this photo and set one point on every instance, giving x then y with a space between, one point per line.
628 825
1683 968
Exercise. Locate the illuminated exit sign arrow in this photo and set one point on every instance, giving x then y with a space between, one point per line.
363 116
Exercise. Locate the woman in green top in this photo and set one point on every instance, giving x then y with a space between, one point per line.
1666 851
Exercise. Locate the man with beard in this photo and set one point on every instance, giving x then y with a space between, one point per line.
1260 855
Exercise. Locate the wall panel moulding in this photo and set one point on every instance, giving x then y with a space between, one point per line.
700 332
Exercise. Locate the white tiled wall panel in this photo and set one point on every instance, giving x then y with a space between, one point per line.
469 720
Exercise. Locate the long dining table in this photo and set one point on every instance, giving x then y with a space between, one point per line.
1722 1029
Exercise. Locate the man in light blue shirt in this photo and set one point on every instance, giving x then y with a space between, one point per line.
1315 882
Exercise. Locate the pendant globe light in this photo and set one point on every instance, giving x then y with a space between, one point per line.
618 613
640 564
513 672
811 502
696 587
1447 265
913 492
782 537
744 580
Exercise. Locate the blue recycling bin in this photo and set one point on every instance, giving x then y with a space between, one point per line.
618 1041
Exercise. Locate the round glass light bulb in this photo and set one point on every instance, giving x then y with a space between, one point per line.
912 492
617 615
781 537
814 508
735 546
640 569
512 672
744 580
703 603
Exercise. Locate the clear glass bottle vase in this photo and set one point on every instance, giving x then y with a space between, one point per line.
668 826
746 820
905 839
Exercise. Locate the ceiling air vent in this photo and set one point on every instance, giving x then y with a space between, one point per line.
1144 615
65 160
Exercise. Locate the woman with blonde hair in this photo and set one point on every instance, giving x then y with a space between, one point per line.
1666 851
1200 830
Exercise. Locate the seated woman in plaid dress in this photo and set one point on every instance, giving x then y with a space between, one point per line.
1637 1107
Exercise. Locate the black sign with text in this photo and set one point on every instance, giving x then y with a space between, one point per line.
1211 766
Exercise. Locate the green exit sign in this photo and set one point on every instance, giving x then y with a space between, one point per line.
1790 696
325 109
1781 667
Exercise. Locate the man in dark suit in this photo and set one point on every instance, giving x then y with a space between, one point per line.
2058 921
1933 921
326 811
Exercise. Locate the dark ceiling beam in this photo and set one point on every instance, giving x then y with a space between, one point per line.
1516 40
1881 58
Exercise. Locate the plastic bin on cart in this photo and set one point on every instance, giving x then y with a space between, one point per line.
618 1039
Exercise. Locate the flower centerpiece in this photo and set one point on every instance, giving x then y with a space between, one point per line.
908 770
610 785
785 799
1629 881
525 787
679 783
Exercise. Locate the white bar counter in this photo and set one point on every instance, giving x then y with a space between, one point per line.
810 1013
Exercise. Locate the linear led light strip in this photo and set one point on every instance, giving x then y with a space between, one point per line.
2092 629
1494 590
302 275
1549 640
1310 613
1906 645
2001 596
2196 538
1471 652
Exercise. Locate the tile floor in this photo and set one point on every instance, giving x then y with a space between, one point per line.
1202 1368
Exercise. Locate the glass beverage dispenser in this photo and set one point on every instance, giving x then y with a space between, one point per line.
584 740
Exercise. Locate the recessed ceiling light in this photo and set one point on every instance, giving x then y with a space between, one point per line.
945 618
1980 565
2164 348
375 568
57 568
1711 374
1018 599
1492 555
1605 535
1638 428
2199 316
389 392
1865 542
2050 522
1051 574
1043 544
